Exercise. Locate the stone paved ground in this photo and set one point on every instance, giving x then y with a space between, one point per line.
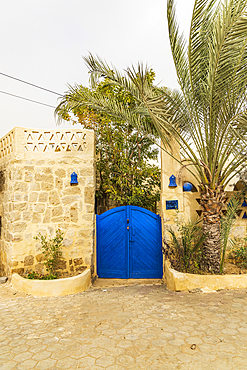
118 328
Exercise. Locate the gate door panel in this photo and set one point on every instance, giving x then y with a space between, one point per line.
112 244
129 244
145 244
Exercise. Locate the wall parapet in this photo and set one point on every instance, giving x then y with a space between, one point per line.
27 142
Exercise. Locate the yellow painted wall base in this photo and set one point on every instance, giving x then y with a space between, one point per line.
178 281
53 288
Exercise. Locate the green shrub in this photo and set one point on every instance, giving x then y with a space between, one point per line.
185 247
227 221
51 249
238 252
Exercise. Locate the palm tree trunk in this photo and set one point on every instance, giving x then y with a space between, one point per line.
212 202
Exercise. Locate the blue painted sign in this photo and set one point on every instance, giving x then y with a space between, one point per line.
171 204
129 244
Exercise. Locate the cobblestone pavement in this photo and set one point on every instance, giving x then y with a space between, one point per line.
124 327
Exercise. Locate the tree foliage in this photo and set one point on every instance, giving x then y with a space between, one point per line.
124 152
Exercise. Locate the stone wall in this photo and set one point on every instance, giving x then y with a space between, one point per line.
37 197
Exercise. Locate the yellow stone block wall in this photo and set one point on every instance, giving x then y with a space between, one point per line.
37 197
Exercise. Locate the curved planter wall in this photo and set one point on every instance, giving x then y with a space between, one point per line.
53 288
178 281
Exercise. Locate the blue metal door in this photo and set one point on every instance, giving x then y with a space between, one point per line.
129 244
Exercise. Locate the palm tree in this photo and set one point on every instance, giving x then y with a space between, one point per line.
207 117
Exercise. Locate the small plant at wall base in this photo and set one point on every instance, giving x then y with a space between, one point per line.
238 252
184 250
35 276
51 249
227 222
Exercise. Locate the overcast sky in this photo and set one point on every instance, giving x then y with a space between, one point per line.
43 41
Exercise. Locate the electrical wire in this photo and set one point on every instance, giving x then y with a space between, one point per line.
33 101
28 83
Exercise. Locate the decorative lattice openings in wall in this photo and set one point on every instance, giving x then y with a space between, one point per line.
6 144
55 141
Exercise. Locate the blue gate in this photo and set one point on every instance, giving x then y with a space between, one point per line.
129 244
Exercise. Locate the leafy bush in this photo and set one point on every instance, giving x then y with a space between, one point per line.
51 249
185 247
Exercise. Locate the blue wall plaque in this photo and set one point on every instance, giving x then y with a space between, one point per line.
171 204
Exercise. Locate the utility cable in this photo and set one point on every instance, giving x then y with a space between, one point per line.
33 101
28 83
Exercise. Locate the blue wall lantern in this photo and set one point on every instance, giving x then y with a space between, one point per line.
172 183
73 180
187 186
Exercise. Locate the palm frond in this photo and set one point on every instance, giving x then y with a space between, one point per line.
99 68
178 48
213 81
